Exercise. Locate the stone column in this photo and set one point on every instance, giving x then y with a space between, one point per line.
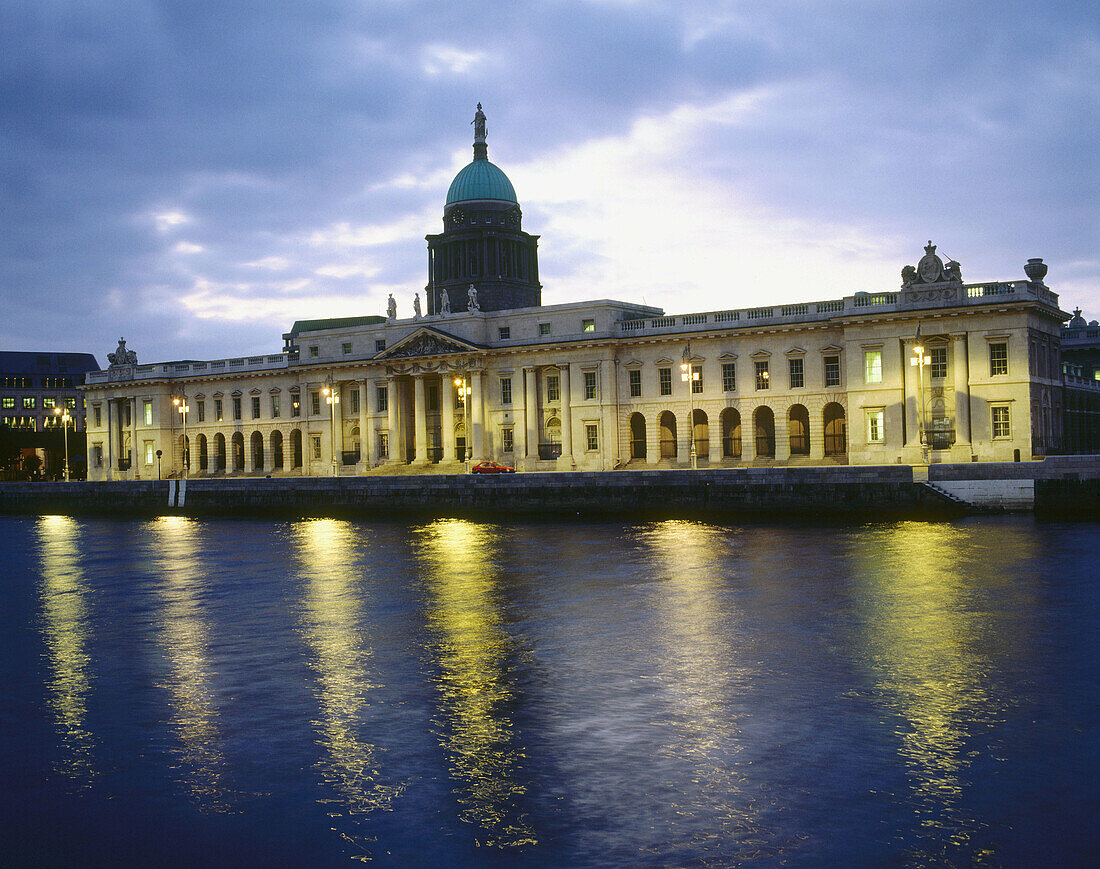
714 427
684 433
447 415
817 434
961 371
364 427
911 394
249 465
782 434
519 417
112 433
396 440
132 402
339 441
653 439
566 417
477 413
420 421
530 411
748 435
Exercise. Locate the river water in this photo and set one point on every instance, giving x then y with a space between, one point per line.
180 692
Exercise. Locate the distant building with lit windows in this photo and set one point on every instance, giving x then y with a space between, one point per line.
935 370
32 385
1081 384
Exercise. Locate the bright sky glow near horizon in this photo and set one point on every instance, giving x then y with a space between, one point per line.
195 177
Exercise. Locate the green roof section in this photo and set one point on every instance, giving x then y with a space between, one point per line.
481 180
333 323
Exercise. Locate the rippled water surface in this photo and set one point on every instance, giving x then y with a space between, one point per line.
457 693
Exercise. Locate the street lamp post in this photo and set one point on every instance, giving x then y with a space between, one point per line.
690 376
464 392
332 398
182 406
63 413
920 360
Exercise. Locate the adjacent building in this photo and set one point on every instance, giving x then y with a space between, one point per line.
1081 384
935 370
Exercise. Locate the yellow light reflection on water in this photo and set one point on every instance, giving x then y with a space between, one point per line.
930 653
65 631
332 625
472 648
703 675
185 638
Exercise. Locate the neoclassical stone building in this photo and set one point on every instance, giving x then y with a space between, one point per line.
936 370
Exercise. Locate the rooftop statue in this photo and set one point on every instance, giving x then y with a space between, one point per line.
471 296
122 356
416 307
479 125
391 308
444 302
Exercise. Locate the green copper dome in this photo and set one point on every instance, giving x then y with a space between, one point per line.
481 180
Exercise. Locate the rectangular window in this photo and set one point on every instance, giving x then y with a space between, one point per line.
49 402
383 445
664 381
316 447
998 359
544 328
433 397
507 443
98 415
504 333
635 378
275 410
553 388
255 407
200 411
149 456
832 371
381 399
589 385
236 408
379 345
762 375
313 351
729 376
1001 426
696 379
147 411
588 325
97 455
9 401
939 363
355 401
315 403
28 402
591 437
872 366
875 426
218 410
346 347
795 370
506 390
295 404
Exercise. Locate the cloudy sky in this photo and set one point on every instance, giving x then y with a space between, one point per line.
196 176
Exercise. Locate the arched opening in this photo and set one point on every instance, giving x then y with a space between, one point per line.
257 451
204 457
296 448
276 450
219 452
764 421
836 438
551 449
637 436
666 423
798 423
238 451
700 431
460 441
356 447
731 433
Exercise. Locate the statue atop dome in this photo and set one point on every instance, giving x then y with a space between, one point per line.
479 126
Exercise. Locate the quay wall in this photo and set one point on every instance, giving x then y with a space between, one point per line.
826 493
1064 487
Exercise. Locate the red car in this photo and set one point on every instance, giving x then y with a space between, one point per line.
491 468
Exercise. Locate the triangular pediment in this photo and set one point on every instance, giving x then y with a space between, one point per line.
426 342
832 348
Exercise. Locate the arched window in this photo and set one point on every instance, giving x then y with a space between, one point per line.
836 439
798 423
731 433
764 421
700 431
667 427
637 436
